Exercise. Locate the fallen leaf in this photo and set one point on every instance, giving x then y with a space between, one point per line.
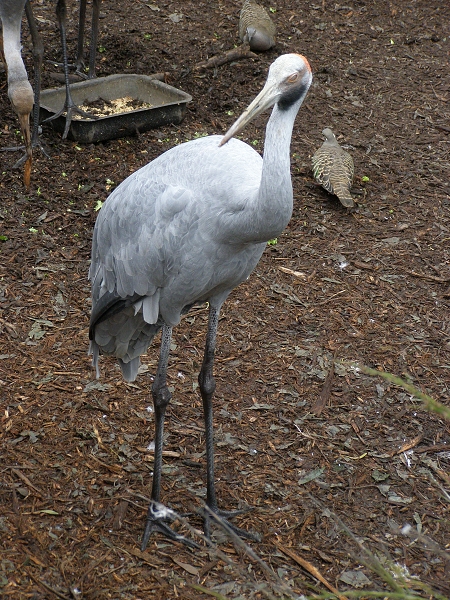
356 579
311 475
187 567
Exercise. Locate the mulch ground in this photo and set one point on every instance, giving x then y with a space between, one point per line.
339 467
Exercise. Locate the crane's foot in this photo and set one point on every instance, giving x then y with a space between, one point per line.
70 112
26 159
77 75
156 516
81 71
22 159
38 144
222 517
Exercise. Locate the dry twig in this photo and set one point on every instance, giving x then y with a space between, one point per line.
294 273
324 396
27 482
312 570
430 277
239 53
408 445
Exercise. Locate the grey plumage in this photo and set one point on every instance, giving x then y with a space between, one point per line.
333 168
169 236
256 27
20 91
187 228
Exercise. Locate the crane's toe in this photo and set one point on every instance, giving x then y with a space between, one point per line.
222 518
70 111
157 516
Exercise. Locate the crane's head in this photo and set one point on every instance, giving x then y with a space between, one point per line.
287 84
22 98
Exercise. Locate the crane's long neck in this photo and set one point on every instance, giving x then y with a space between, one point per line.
274 199
11 49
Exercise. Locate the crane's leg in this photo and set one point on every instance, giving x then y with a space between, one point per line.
69 105
161 398
79 63
94 37
38 54
207 386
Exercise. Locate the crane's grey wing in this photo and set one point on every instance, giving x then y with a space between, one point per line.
164 241
134 255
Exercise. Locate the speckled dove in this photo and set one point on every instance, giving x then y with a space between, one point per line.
256 27
333 168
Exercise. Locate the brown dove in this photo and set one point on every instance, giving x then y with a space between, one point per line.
256 27
333 168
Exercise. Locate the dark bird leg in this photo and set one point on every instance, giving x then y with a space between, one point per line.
161 398
79 63
207 386
94 37
69 105
38 54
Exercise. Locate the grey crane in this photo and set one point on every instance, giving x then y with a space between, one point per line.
188 228
69 106
20 91
256 27
333 168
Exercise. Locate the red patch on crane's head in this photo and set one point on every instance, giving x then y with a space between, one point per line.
305 61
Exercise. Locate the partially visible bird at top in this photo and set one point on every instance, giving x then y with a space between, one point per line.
256 27
20 91
69 106
187 228
333 168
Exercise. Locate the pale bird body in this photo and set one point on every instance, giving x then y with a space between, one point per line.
333 168
20 91
186 228
256 27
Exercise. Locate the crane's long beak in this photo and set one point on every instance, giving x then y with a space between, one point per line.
24 120
264 100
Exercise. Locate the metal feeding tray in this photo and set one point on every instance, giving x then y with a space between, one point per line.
167 105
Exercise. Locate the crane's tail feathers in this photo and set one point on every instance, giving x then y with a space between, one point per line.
130 369
95 351
126 336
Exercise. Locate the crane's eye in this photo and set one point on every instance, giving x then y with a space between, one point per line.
293 78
